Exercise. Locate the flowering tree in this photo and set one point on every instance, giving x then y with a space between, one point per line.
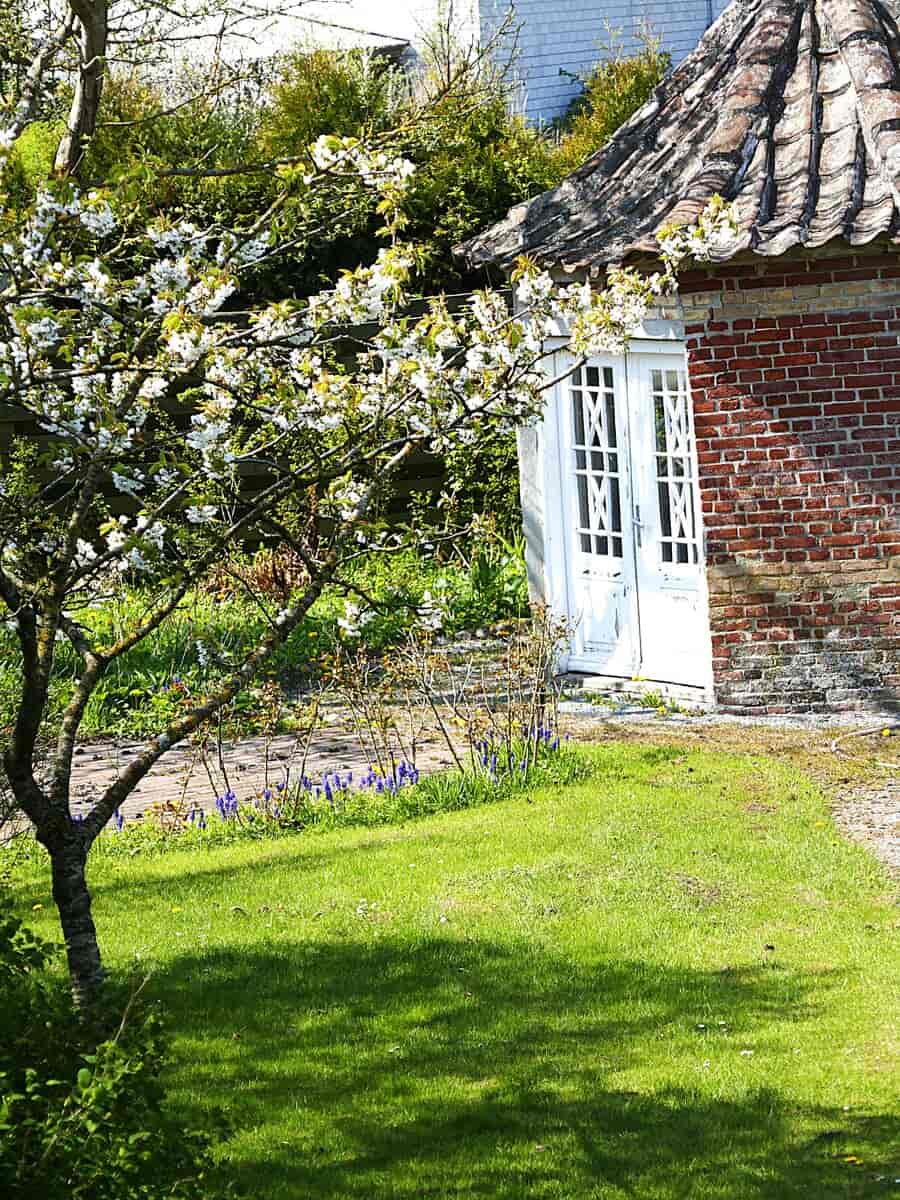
127 353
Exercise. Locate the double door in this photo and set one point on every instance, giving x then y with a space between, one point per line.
631 544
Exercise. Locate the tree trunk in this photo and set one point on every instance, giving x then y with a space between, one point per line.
82 119
73 902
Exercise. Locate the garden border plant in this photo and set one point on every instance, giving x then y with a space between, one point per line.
502 744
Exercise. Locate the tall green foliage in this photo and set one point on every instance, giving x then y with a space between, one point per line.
474 158
351 93
482 479
613 92
474 162
145 130
30 162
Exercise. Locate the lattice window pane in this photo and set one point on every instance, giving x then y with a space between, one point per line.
678 542
595 448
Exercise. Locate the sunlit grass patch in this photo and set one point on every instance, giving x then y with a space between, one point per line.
673 979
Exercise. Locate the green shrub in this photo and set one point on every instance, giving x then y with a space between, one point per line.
31 161
613 92
147 687
493 586
351 93
483 478
141 132
83 1115
475 160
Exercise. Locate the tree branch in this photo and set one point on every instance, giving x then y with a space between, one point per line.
28 97
186 725
93 18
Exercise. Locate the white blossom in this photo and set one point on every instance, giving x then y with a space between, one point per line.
136 560
131 485
430 616
84 553
201 514
354 619
97 218
534 287
205 433
95 281
44 334
348 155
152 533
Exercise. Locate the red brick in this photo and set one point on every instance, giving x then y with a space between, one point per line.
812 403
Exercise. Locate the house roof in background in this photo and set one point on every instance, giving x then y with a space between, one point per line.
790 108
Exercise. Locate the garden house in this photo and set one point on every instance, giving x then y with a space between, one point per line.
719 508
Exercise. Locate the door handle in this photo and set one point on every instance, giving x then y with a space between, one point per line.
638 524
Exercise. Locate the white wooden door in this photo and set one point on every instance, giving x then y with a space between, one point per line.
602 599
674 623
635 590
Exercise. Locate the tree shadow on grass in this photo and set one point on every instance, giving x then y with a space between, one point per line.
449 1068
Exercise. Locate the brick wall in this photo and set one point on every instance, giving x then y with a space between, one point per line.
795 372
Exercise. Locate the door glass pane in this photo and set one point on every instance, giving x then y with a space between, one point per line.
579 425
584 508
611 430
674 468
596 463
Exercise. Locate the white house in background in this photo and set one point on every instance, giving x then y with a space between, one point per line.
557 39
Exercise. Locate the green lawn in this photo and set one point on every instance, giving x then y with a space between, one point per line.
672 981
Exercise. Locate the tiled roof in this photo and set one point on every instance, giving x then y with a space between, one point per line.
791 108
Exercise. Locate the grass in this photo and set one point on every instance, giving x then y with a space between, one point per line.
673 980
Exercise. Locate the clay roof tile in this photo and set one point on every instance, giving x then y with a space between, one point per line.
790 108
